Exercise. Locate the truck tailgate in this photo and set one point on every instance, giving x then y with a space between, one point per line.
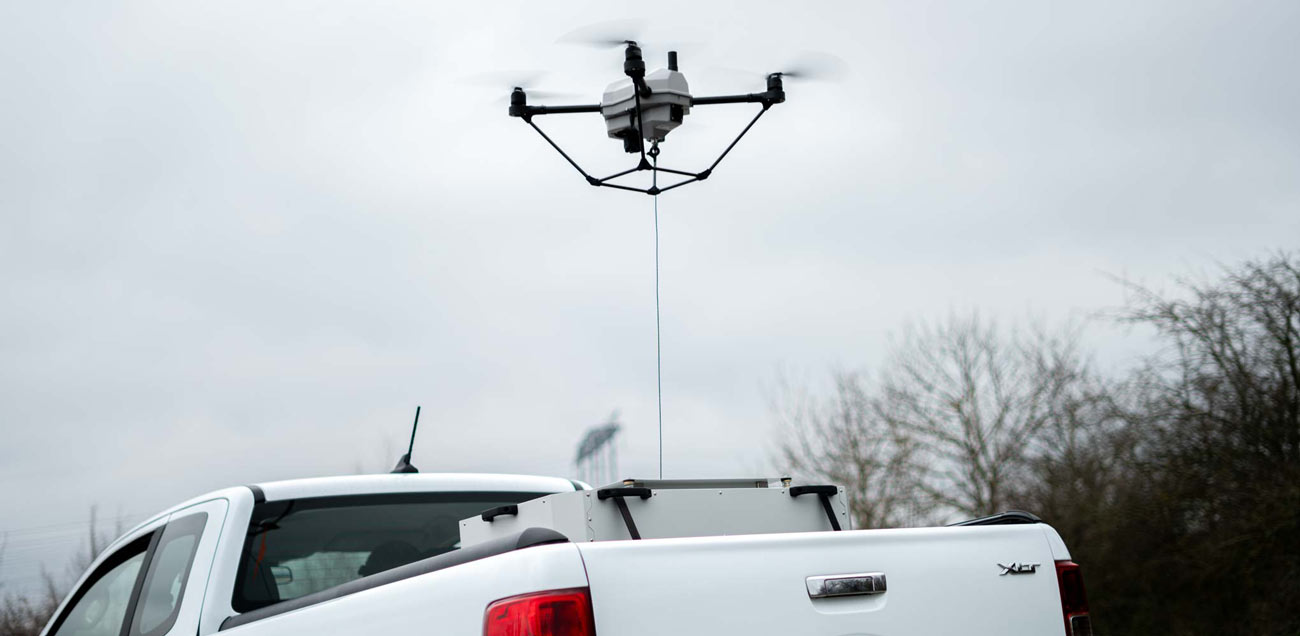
939 581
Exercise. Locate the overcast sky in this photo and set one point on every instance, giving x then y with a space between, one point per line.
240 241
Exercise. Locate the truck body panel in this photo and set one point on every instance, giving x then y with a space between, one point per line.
940 581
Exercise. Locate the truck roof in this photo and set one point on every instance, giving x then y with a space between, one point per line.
380 484
412 482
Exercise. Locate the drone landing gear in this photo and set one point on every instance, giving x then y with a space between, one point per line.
649 158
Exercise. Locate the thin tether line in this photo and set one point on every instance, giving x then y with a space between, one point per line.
659 366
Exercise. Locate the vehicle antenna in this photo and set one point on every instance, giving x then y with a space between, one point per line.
404 462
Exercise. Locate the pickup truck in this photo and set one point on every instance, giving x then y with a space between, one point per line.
382 554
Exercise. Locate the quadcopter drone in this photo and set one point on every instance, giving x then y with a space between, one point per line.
645 108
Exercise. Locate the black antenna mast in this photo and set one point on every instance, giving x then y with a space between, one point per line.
404 462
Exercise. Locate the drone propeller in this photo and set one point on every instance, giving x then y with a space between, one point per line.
606 35
498 79
815 65
536 94
807 66
533 95
507 81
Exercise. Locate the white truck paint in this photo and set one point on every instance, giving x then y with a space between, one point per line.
940 580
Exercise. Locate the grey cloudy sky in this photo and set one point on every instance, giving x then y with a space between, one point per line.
239 241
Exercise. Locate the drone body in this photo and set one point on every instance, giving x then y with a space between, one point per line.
664 109
645 108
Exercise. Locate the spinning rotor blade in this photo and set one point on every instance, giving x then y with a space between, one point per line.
503 82
534 95
605 35
503 79
807 66
815 65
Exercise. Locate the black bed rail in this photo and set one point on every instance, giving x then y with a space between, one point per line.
1008 518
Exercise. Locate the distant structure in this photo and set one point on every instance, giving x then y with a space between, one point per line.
597 458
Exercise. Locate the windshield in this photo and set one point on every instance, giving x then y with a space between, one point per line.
297 547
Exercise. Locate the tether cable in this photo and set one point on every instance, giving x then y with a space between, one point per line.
659 365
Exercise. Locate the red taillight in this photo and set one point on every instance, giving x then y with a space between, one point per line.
553 613
1074 601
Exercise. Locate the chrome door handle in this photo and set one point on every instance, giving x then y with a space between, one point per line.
846 584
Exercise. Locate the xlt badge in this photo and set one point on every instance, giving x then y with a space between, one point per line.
1018 568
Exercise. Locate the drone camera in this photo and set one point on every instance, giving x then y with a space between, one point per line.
632 144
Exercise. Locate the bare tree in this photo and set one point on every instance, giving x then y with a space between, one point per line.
1166 482
841 440
20 615
1221 463
96 541
981 403
25 614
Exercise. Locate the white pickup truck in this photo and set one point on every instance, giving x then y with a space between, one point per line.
383 554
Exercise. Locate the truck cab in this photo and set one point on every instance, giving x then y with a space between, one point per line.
179 572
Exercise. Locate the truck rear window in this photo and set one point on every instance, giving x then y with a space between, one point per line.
297 547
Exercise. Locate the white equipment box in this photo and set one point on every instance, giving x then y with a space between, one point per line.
658 509
662 110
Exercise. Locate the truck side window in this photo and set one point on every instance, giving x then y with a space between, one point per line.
298 547
99 607
169 569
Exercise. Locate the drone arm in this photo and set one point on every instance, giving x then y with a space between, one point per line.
590 179
750 98
709 170
766 98
775 94
529 110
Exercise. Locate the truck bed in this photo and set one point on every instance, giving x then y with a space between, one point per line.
940 581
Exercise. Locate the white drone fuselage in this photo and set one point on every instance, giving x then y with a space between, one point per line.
663 110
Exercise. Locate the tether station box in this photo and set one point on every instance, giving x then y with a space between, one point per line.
660 509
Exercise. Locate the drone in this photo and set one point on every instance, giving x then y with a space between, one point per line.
645 107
